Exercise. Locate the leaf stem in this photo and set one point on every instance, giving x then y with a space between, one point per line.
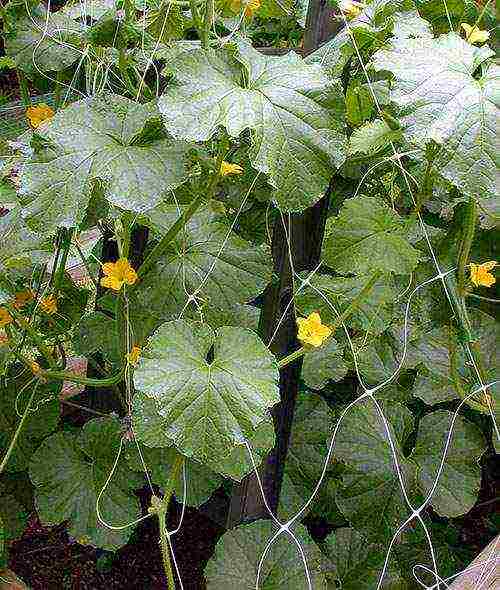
469 228
18 431
35 337
23 88
207 25
74 378
348 311
162 245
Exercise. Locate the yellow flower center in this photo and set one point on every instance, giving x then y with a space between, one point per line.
311 330
38 114
227 168
251 6
480 275
117 274
350 8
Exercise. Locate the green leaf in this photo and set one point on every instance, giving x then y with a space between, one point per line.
372 315
359 104
371 485
323 365
70 470
235 465
19 246
460 480
93 9
368 29
372 137
294 113
106 137
368 236
41 421
357 563
308 446
205 260
377 360
45 42
96 332
206 406
462 119
200 481
237 555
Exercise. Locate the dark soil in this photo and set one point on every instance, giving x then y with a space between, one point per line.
48 559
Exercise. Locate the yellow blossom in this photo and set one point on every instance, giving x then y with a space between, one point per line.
227 168
117 274
480 275
350 8
5 317
49 304
134 354
35 367
311 330
474 34
22 298
38 114
251 6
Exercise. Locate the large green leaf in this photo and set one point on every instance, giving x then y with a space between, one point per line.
96 332
44 42
206 259
307 452
106 137
460 480
323 365
294 113
371 484
206 406
322 292
235 465
19 246
462 119
200 481
70 470
237 555
357 563
368 236
373 25
41 420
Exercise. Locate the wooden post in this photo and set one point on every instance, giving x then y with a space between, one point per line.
486 576
305 231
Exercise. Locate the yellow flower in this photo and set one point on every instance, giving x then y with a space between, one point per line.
311 330
38 114
480 275
134 354
35 367
227 168
350 8
251 6
474 34
117 274
49 304
22 298
5 317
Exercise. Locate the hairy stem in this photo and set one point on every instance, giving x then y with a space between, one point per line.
74 378
469 228
161 510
